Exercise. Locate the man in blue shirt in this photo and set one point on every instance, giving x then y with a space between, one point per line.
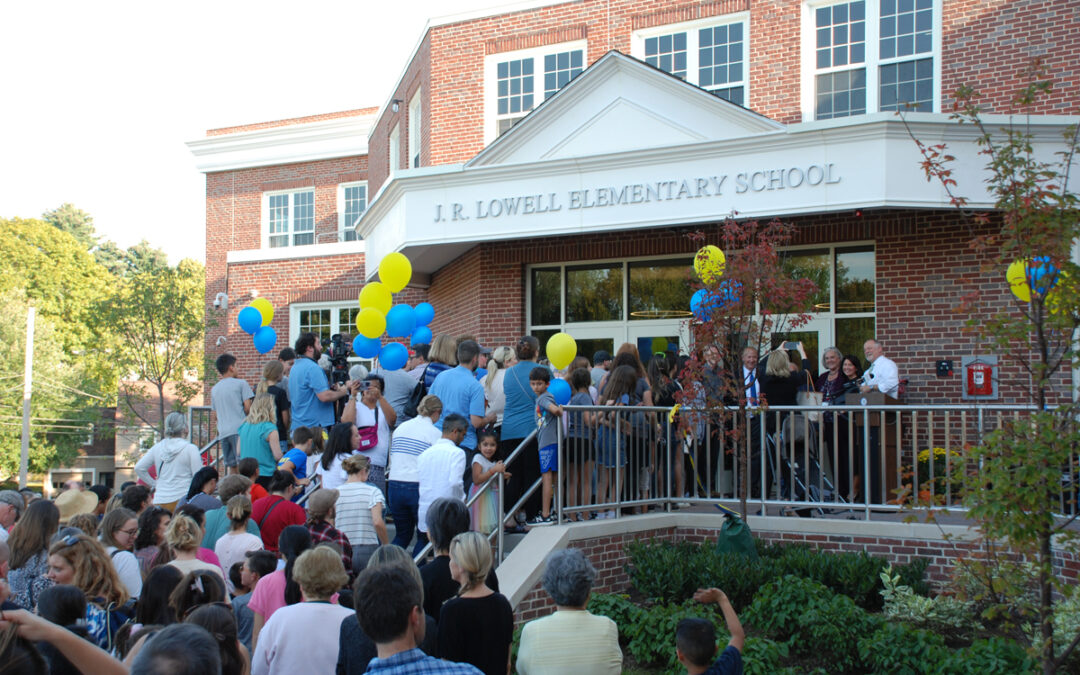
460 393
390 607
312 397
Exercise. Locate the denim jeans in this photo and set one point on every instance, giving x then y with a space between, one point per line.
404 504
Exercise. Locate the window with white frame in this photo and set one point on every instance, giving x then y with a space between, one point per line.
516 82
710 53
325 320
352 202
414 130
395 149
289 218
872 55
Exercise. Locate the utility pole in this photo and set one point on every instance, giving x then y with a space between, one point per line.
28 381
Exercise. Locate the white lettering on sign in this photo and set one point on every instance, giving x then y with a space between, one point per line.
759 180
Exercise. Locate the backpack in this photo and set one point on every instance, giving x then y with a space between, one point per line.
412 405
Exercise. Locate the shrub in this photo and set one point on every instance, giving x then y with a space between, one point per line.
762 656
819 625
993 656
898 649
938 613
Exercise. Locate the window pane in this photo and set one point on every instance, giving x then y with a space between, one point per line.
559 69
720 53
315 321
659 290
841 94
347 320
658 344
852 333
908 85
668 53
545 298
543 335
813 265
855 280
590 346
811 343
594 293
515 85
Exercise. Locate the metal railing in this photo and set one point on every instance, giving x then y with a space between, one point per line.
811 460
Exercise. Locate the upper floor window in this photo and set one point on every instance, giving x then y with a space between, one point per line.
872 55
414 130
710 53
352 202
289 218
517 82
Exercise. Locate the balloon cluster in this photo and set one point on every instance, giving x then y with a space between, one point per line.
378 315
1038 275
255 320
709 263
561 350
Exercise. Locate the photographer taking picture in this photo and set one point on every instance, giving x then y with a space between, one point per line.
311 394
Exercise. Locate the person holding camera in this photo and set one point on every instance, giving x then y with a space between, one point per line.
311 395
374 417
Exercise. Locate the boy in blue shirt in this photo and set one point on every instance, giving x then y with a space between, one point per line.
295 460
695 639
547 414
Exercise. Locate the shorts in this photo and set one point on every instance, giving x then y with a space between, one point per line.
228 449
579 450
605 449
549 458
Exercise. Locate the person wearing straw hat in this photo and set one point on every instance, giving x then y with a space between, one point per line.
74 502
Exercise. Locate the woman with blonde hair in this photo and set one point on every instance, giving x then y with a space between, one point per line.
184 536
410 440
233 546
259 437
477 626
77 560
442 356
501 359
272 373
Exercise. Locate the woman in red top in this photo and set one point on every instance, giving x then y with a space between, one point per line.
275 512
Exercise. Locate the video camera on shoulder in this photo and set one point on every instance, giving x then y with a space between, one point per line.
338 348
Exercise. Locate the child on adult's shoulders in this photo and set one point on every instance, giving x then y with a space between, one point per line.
695 639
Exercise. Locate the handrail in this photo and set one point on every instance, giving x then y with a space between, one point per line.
502 516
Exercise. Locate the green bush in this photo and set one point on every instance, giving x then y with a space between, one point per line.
993 656
818 625
898 649
762 656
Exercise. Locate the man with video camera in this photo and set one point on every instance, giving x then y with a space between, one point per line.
311 395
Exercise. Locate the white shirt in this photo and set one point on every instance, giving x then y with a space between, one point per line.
365 417
300 638
410 440
353 507
495 396
884 376
442 471
232 547
753 386
127 568
176 461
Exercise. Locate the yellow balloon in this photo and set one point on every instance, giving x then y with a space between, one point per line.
1058 297
376 295
1016 275
395 271
709 263
370 322
265 309
659 345
561 350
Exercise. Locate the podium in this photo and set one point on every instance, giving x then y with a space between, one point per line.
882 441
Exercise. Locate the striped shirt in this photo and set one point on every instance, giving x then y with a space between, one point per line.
354 504
410 439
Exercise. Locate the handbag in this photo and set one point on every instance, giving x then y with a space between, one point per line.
369 436
811 397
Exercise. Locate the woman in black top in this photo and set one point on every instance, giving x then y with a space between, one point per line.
780 386
477 626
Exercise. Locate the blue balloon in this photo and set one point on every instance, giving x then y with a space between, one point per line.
421 336
265 338
365 347
730 292
702 304
250 320
400 321
1041 274
393 356
424 313
559 389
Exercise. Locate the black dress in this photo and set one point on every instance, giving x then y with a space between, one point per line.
477 631
439 586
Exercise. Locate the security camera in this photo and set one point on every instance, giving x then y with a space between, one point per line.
221 339
221 301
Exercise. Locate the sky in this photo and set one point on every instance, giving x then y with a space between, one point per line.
100 97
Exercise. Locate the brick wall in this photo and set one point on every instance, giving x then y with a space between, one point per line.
608 555
985 43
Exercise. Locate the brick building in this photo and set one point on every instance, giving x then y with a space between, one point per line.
542 165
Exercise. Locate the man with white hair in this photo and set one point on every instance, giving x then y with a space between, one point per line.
882 375
11 507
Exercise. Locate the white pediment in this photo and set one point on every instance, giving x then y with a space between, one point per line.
617 105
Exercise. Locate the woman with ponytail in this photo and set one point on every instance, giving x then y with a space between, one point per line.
278 589
478 625
272 373
233 546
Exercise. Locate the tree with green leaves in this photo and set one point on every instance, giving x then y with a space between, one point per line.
157 315
76 222
1020 486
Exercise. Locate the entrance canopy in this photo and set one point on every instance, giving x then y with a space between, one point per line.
625 146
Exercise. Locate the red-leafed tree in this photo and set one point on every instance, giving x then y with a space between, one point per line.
752 304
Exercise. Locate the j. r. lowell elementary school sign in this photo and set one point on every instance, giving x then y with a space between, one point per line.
698 187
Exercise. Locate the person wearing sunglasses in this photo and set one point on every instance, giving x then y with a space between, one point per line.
118 530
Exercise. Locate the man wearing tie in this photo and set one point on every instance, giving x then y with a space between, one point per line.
752 373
